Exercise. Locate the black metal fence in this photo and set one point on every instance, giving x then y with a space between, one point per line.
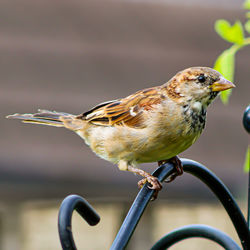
242 227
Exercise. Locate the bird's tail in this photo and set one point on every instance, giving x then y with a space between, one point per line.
50 118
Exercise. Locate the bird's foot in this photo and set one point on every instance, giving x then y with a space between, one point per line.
154 184
178 167
152 180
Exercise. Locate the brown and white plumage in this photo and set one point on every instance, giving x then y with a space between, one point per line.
154 124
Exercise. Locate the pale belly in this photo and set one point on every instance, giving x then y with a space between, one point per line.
165 151
135 146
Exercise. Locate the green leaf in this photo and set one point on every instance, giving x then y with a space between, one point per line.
232 34
246 5
247 161
225 65
247 26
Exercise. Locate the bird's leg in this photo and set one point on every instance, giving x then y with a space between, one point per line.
152 180
155 184
178 167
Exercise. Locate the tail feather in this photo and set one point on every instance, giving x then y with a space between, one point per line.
51 118
53 112
43 117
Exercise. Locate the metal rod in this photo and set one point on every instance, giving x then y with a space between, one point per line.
191 231
248 203
69 204
246 119
246 124
225 197
205 175
138 207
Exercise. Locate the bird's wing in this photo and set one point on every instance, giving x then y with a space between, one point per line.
130 111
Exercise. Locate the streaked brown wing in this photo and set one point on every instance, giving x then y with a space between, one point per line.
129 111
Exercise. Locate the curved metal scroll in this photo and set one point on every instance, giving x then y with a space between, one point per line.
224 195
206 176
191 231
69 204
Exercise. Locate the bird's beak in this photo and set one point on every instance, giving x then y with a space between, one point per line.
221 85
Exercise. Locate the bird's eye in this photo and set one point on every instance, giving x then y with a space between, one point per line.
201 78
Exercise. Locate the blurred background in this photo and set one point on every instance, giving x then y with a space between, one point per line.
71 55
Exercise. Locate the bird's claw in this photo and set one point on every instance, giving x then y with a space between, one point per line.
178 167
142 182
153 181
171 177
155 185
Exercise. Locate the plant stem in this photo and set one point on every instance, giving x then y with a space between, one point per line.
237 47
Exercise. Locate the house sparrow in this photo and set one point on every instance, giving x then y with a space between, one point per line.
154 124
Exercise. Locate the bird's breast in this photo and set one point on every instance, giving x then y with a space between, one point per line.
195 116
172 133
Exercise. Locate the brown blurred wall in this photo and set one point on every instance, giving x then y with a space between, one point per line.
70 55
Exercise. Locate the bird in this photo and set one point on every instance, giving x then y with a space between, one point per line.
152 125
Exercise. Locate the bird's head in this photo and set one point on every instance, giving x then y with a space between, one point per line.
197 84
